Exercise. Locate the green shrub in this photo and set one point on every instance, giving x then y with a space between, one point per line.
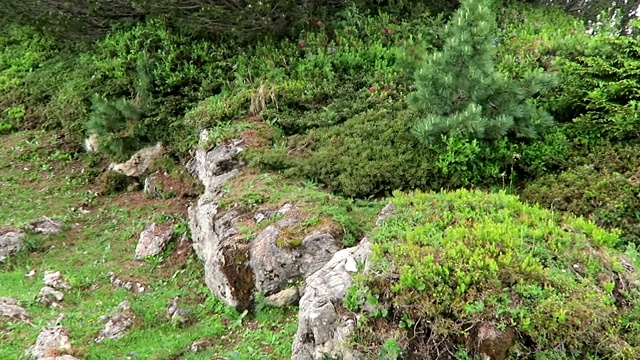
445 264
598 92
603 187
119 125
460 93
28 64
373 153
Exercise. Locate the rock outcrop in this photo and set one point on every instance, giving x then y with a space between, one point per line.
236 269
276 267
322 332
227 272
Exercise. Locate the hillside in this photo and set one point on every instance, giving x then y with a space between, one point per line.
474 169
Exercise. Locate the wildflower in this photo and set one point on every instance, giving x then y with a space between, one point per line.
372 88
301 43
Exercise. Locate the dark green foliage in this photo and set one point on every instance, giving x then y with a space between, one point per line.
606 189
444 264
598 92
462 94
601 90
373 152
90 19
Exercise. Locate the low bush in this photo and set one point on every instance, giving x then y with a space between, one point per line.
598 93
446 265
603 186
373 152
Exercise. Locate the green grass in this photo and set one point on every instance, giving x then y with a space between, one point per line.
103 240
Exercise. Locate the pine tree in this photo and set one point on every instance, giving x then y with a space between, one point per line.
461 93
119 125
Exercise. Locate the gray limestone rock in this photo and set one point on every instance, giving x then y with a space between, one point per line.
11 241
153 240
50 341
321 331
9 308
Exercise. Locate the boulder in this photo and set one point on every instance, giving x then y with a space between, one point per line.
9 308
321 331
275 267
227 272
140 162
11 241
153 240
51 343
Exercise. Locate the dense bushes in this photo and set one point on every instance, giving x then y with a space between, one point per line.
374 151
446 265
333 96
603 187
89 19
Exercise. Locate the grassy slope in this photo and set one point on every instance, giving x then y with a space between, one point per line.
36 179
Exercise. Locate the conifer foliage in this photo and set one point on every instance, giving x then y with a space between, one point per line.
460 92
119 125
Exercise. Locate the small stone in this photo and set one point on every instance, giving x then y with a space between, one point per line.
118 324
124 306
153 240
285 297
31 274
54 279
149 187
50 296
11 241
50 340
200 345
284 209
